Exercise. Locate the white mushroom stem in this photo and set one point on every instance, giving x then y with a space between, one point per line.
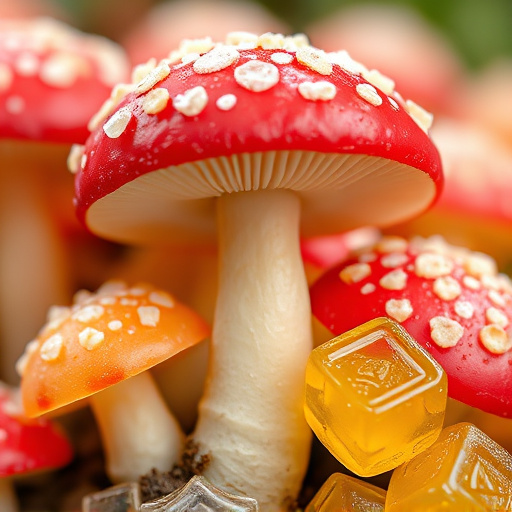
138 431
8 499
251 418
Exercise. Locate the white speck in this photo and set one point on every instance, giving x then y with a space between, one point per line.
420 116
117 124
6 77
107 301
152 78
90 338
52 347
496 316
192 102
445 332
89 313
478 264
399 309
495 339
216 59
497 298
27 64
394 280
314 59
115 325
281 58
367 257
189 57
149 315
155 101
394 259
161 299
377 79
390 244
394 104
464 309
355 273
125 301
369 94
346 62
447 288
257 76
75 157
471 282
226 102
15 104
432 265
62 70
317 91
368 288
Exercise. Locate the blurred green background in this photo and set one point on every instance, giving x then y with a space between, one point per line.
479 30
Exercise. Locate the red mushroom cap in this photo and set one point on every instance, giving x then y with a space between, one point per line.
28 445
450 299
271 112
53 78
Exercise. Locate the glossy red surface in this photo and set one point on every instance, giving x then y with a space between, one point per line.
29 445
275 119
476 376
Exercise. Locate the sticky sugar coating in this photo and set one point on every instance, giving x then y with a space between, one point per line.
374 397
452 301
463 470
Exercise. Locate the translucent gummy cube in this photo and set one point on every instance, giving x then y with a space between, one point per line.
342 493
119 498
374 397
199 495
463 470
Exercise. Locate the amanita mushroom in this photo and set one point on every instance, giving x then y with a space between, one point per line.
52 79
101 348
26 446
450 299
266 126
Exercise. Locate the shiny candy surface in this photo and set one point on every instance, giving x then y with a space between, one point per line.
374 397
463 470
120 498
342 493
199 495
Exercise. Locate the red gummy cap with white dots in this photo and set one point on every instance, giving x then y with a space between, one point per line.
450 299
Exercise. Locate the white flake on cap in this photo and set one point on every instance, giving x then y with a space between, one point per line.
75 158
497 298
153 77
445 332
155 100
496 316
355 273
27 64
346 62
478 264
420 116
495 339
6 77
432 265
464 309
242 39
161 299
377 79
471 283
216 59
368 93
192 102
52 347
388 244
89 313
368 288
117 124
149 315
90 338
447 288
317 91
257 76
399 309
62 69
394 259
115 325
281 58
226 102
314 59
394 280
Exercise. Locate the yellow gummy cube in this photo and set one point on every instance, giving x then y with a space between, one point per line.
342 493
463 470
374 397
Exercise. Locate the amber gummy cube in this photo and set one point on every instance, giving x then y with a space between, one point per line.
374 397
342 493
463 470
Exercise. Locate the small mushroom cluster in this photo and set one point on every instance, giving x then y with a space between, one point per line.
451 300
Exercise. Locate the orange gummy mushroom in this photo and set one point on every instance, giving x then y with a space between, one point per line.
100 348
